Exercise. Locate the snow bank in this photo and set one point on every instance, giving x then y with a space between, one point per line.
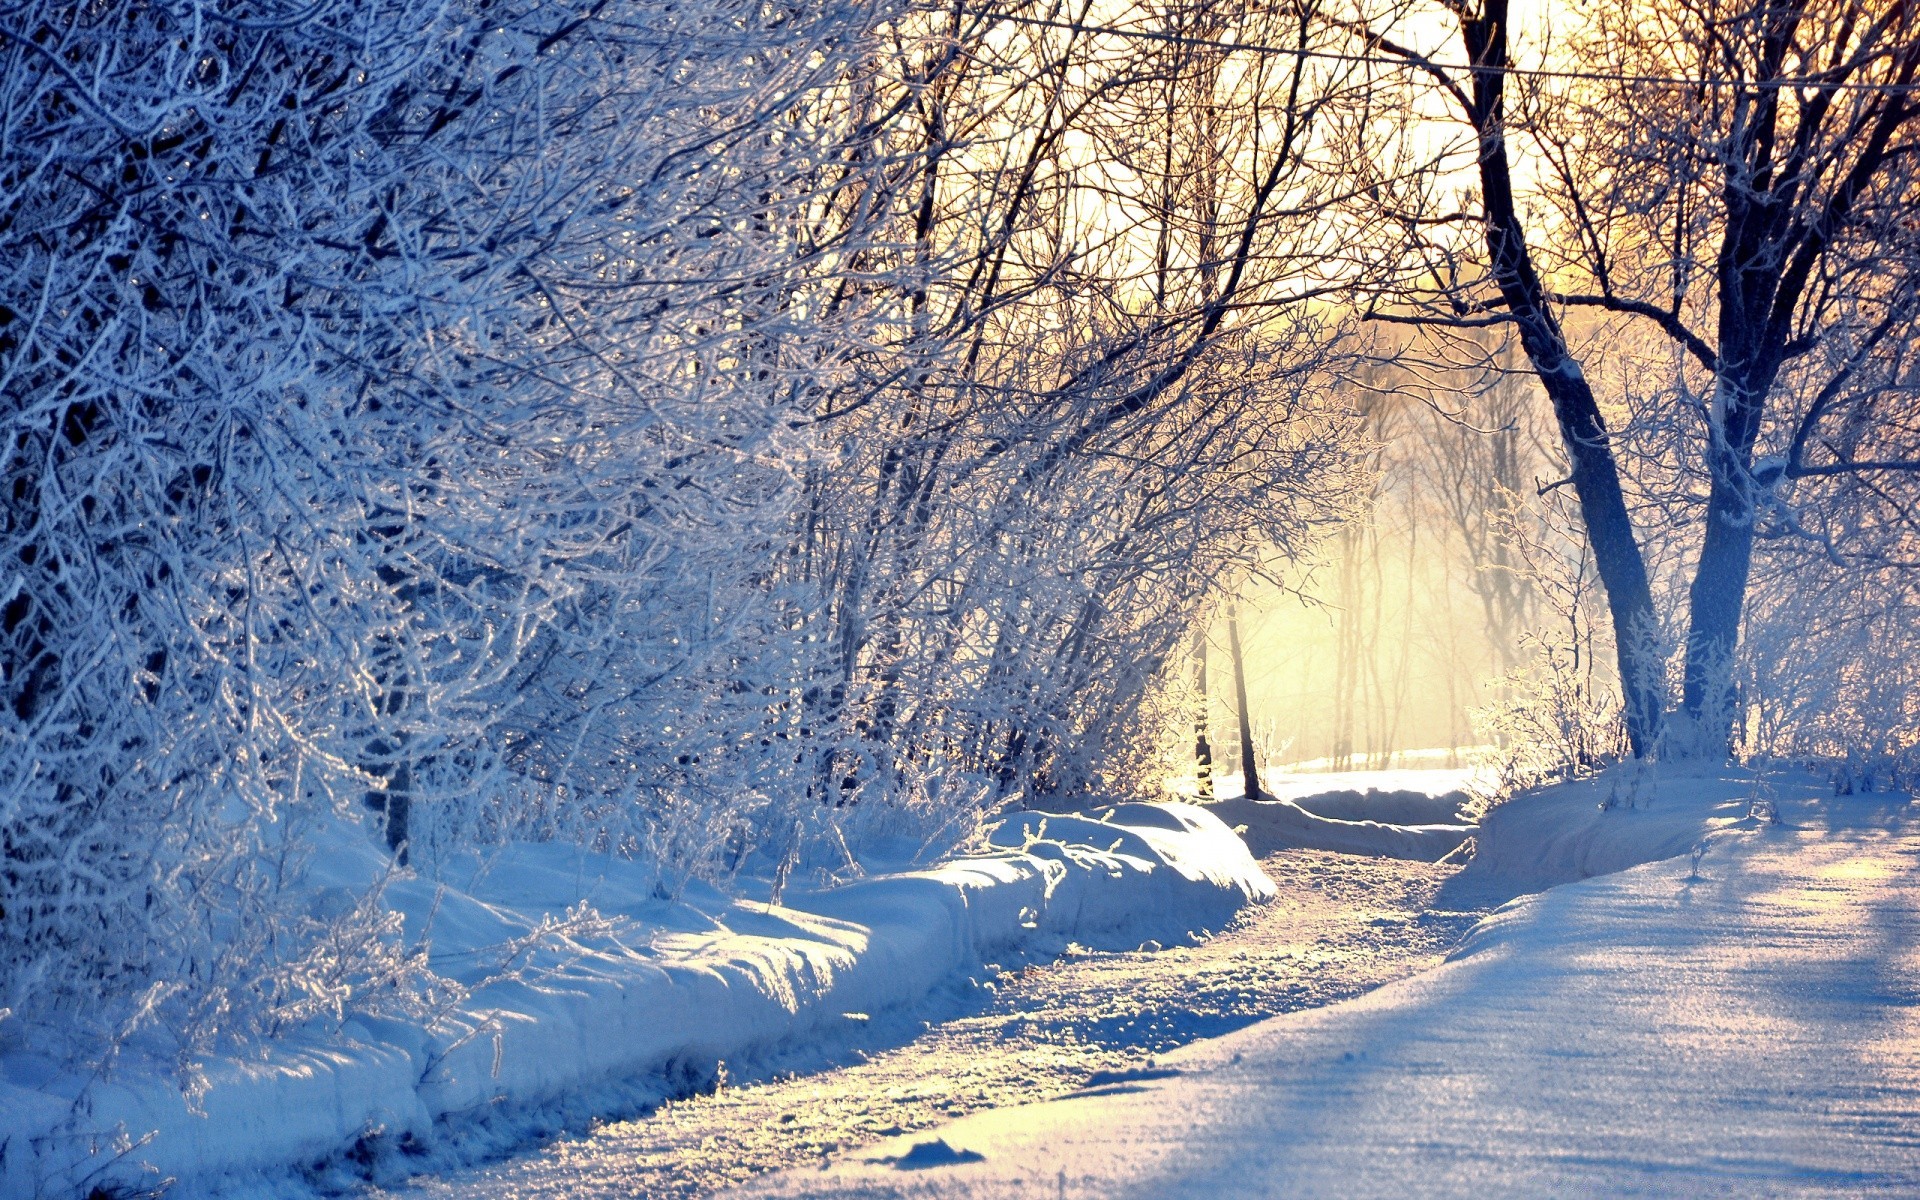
1393 807
1272 825
1632 814
657 985
1743 1025
1405 813
1299 781
1205 873
1295 782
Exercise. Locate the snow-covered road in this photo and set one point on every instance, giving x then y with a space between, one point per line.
1742 1022
1341 925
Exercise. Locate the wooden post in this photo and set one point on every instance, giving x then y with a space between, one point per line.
1202 748
1249 770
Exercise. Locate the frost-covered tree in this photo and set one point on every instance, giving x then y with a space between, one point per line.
649 424
1739 178
1107 397
394 395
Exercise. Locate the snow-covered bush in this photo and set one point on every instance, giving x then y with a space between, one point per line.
697 432
1829 671
397 396
1111 397
1558 713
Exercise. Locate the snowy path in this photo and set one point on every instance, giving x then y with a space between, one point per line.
1340 926
1751 1028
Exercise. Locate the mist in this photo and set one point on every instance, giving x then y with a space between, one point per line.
1415 621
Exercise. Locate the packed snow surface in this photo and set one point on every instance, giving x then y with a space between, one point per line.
645 986
1742 1020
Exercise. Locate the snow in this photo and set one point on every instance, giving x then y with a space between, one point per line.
1038 1027
1397 807
635 986
1406 812
1296 780
1743 1023
1272 825
1634 814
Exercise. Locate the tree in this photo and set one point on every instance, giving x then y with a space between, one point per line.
1739 177
686 430
1249 758
1479 464
1202 744
394 392
1106 390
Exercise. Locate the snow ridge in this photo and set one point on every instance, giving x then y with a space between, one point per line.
758 975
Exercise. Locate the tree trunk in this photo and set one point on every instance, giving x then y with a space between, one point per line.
1249 770
1583 430
1716 600
1202 747
1719 592
396 801
388 760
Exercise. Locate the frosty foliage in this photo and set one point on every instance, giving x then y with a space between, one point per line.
1823 674
1112 399
722 434
1757 230
397 397
1556 712
1829 672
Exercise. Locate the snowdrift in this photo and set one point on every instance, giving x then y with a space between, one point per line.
1388 806
1632 814
1738 1024
1397 824
654 987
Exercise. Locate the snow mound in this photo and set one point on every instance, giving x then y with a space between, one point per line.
1397 807
1308 824
1195 867
1432 781
1299 781
646 987
1631 814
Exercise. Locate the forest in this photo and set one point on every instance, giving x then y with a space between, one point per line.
756 440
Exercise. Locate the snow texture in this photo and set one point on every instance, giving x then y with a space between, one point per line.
1422 771
1634 814
1411 824
1738 1021
650 986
